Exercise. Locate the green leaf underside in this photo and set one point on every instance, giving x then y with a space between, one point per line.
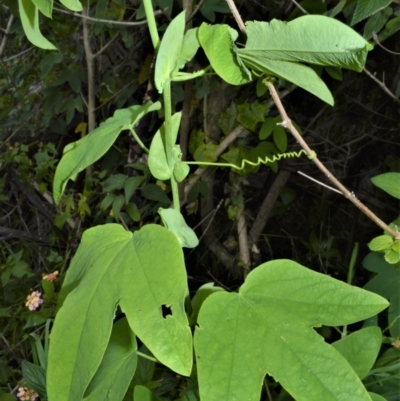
361 349
83 153
44 6
29 15
217 43
313 39
158 163
175 223
365 8
168 57
267 328
73 5
113 266
388 182
117 366
301 75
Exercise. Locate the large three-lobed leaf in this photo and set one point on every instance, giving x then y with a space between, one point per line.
266 328
115 267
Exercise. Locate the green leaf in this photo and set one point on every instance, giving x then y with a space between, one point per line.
131 185
142 393
115 181
155 193
335 72
158 163
391 27
250 114
83 153
392 257
376 22
389 182
386 283
117 367
189 48
365 8
313 39
44 6
268 127
73 5
361 349
299 74
142 272
181 171
217 43
29 15
175 222
376 397
35 377
210 7
169 52
119 201
133 211
201 295
381 243
280 138
267 328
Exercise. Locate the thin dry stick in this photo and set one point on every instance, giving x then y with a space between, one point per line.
286 122
382 85
236 15
6 32
105 21
376 39
90 71
299 6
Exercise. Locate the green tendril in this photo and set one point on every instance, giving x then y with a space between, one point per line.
260 160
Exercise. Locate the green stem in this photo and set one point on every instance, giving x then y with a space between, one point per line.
151 21
142 145
150 358
169 142
350 276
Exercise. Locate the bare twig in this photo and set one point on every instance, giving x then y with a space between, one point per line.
376 39
195 11
266 207
90 71
319 182
286 122
236 15
105 21
241 226
6 32
299 6
382 85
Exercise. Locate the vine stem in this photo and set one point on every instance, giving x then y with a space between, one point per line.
287 123
151 21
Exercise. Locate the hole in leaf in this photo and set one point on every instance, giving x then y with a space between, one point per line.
165 310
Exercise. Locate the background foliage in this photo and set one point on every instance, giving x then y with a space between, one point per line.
45 105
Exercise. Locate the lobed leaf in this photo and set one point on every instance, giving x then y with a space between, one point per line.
113 266
267 328
83 153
